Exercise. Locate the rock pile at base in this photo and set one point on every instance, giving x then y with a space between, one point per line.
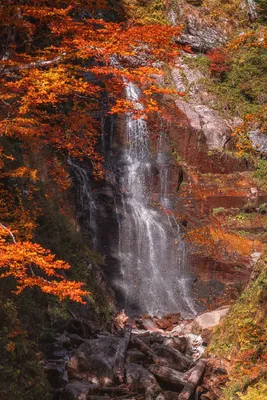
149 358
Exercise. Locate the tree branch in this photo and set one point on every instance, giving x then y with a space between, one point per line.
35 64
9 231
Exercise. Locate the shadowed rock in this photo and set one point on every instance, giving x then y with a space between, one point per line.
94 360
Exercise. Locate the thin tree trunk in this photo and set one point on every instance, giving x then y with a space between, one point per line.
121 354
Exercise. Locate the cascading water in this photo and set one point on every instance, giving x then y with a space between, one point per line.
151 255
85 199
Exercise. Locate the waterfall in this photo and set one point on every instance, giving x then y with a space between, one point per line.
151 254
146 256
85 199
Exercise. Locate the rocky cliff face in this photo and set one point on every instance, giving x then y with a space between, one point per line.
214 200
201 182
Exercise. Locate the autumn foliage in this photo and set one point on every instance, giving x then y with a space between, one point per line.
220 61
31 265
62 68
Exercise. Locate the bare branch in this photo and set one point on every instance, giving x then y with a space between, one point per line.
35 64
9 231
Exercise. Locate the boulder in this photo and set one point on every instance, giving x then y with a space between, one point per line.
205 323
199 36
56 373
175 358
64 340
140 379
155 337
57 352
259 141
151 337
182 329
168 320
210 319
76 390
76 339
85 329
94 360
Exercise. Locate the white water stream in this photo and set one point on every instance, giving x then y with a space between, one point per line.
152 255
149 257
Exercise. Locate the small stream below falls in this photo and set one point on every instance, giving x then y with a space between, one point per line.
149 257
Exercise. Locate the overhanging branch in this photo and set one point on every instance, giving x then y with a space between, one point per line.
35 64
9 231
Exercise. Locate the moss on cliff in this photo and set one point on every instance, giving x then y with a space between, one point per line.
146 11
261 173
242 339
234 11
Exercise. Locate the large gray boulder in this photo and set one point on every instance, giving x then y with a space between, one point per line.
204 324
259 141
210 319
199 36
94 360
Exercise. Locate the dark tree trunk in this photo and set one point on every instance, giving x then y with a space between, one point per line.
148 351
121 354
174 356
196 374
170 376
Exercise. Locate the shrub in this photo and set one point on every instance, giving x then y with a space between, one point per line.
220 61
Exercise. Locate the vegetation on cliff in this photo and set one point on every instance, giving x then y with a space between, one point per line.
241 340
146 12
